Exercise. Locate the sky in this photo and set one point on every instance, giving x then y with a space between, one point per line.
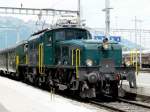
121 17
122 14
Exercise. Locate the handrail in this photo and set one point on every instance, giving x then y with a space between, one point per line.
40 53
17 62
134 59
72 57
131 57
77 64
136 62
26 59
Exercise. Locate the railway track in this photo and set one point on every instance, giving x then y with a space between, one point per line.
122 105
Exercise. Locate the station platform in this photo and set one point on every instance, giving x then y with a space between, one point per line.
16 96
3 109
143 84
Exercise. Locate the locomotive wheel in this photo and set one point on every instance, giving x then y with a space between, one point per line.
24 78
1 73
50 83
39 82
36 81
114 89
17 77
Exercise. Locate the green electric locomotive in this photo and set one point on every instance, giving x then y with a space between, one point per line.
67 58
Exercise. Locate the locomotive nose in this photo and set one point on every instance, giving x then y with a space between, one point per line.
92 77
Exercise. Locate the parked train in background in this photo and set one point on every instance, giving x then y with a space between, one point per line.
67 58
130 57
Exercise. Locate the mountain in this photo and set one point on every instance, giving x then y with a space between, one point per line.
10 27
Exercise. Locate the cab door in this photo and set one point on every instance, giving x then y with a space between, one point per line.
48 48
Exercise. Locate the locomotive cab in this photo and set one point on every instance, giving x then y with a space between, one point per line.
96 65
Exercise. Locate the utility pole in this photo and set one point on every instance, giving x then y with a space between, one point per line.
135 26
140 48
79 12
107 18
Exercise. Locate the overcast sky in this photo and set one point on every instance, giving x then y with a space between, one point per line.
122 15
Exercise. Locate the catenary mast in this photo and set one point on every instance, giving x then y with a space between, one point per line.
107 18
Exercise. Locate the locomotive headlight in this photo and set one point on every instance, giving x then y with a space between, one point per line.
89 62
105 46
128 63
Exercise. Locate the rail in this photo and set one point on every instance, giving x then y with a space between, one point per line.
121 105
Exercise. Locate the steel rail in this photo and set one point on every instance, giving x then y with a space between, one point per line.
107 106
125 105
134 103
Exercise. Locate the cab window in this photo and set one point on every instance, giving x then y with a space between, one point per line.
69 34
60 35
